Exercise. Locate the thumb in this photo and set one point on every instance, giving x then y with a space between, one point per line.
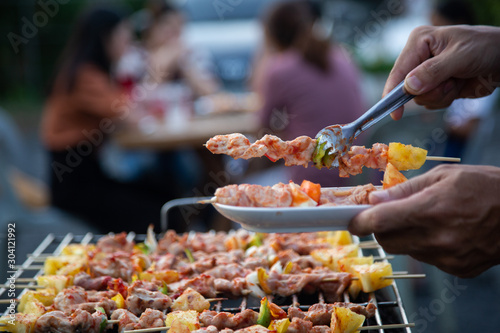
430 74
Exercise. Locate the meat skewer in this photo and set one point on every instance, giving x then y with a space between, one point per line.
303 150
288 195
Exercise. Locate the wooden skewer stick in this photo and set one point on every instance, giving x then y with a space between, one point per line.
364 328
41 255
407 276
154 329
26 280
113 321
396 276
30 268
23 286
8 301
383 258
384 327
369 245
216 299
209 201
39 259
443 159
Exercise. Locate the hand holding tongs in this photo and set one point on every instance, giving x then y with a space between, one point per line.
335 140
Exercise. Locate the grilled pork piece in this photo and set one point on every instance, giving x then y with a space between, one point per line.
78 321
127 320
73 298
289 284
237 287
356 196
254 195
298 325
223 320
143 295
176 244
353 161
321 314
228 272
302 243
117 265
321 329
204 284
209 329
88 283
113 243
151 318
305 261
295 152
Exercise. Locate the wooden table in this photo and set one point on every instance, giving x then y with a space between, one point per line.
190 132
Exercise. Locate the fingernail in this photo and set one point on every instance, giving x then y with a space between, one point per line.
379 196
414 83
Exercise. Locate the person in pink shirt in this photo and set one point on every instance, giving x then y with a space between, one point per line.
305 82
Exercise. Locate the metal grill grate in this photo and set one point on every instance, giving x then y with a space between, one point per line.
390 308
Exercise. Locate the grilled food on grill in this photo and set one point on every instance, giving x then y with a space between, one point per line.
304 149
317 318
108 283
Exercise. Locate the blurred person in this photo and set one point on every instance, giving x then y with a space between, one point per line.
82 109
305 82
163 57
463 117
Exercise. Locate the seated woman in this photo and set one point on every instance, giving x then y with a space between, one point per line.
163 58
81 110
305 82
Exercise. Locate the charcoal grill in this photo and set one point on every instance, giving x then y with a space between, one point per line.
390 308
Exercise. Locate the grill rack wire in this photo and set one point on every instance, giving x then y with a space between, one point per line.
388 301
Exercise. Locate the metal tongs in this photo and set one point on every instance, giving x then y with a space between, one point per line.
336 140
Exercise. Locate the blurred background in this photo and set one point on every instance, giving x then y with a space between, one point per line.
221 51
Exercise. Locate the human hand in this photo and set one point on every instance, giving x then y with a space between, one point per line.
440 64
448 217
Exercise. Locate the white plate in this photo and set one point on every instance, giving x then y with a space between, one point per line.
292 219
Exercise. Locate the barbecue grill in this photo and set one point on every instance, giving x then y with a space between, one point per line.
390 308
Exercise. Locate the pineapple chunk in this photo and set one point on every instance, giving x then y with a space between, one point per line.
342 237
406 157
120 301
77 249
167 276
372 276
188 319
72 268
345 265
45 296
330 257
58 282
300 198
21 323
178 326
54 264
345 321
190 300
392 177
279 325
34 307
